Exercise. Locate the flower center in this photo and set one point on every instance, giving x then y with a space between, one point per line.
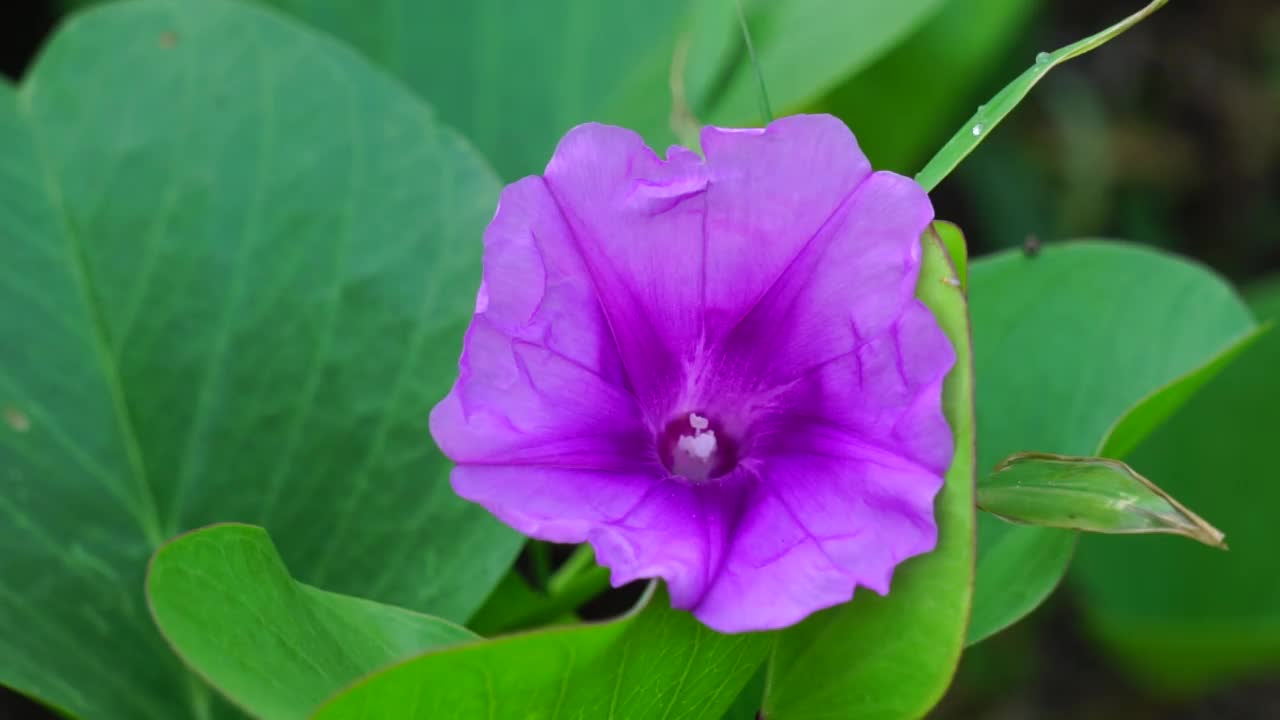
695 448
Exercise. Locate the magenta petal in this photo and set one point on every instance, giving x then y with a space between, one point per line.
714 372
771 192
637 220
887 392
848 284
816 528
678 532
540 381
556 504
641 527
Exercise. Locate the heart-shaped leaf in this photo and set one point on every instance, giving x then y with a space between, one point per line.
651 664
224 600
1183 618
805 48
237 263
1066 341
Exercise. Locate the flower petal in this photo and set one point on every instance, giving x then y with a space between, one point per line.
641 526
848 285
540 381
536 286
816 528
770 288
554 504
637 223
770 193
886 392
679 250
678 532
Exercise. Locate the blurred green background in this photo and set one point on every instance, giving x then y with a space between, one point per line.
1169 136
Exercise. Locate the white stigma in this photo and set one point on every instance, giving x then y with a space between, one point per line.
696 452
699 447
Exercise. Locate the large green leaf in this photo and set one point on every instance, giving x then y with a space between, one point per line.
520 74
901 107
1139 420
237 263
653 663
514 76
1181 617
805 48
224 600
1066 341
892 657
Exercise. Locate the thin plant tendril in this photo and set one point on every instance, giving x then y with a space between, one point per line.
765 110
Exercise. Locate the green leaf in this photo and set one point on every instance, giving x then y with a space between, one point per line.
1003 102
1183 618
237 263
507 605
652 663
750 699
516 606
893 656
225 602
952 239
515 76
1093 494
901 107
1141 419
1065 343
805 48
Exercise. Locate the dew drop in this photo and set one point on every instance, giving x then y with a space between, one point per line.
977 130
1043 58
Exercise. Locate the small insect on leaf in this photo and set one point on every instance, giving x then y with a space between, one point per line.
1087 493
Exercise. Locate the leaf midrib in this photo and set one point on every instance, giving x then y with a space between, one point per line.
147 515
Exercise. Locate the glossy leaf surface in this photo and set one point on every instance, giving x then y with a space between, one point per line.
805 48
515 76
1183 618
1066 342
237 263
226 604
653 663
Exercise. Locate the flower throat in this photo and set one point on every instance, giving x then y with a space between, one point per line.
694 447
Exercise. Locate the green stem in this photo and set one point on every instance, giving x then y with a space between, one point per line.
579 579
1002 103
581 559
765 110
540 560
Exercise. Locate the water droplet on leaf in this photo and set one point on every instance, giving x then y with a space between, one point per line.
1043 58
977 130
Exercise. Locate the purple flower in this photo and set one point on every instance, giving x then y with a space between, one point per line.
715 372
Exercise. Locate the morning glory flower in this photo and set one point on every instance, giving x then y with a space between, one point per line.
713 370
